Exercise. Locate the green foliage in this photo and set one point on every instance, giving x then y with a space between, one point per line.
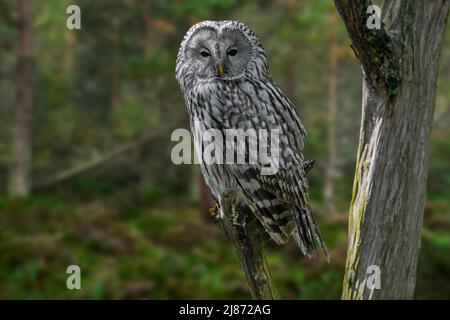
434 263
155 255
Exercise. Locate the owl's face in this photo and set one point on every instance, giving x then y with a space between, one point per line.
218 53
219 50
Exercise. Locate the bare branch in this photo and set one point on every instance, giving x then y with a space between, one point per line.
93 163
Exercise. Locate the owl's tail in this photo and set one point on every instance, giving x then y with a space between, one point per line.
306 233
285 220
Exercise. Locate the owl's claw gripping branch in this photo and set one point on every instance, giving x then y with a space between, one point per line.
214 209
308 165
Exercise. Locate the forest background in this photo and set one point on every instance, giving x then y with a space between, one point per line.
102 191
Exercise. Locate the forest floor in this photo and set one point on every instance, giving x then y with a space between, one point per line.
168 252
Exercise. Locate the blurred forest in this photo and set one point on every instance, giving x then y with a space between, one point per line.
103 193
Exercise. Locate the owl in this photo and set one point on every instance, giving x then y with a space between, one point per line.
222 71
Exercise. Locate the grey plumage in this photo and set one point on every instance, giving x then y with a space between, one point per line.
223 74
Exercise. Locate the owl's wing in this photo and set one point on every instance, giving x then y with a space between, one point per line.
279 200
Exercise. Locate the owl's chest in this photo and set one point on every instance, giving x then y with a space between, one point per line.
211 110
211 154
223 105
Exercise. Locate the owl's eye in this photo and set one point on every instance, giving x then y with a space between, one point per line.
205 53
232 52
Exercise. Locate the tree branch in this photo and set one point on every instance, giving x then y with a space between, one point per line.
373 47
241 227
247 235
93 163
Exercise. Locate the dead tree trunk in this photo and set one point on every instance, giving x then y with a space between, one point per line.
400 65
19 179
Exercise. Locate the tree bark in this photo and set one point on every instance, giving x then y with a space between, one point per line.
400 65
19 178
245 232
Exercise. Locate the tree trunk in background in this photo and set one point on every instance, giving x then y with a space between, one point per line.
330 173
290 73
400 65
19 179
115 90
146 16
289 78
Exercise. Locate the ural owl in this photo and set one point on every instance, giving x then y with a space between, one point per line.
223 74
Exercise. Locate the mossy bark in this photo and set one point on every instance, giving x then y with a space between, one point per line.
400 67
248 236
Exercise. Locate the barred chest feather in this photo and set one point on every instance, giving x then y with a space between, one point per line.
209 104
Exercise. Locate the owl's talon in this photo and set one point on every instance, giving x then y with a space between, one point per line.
308 165
213 210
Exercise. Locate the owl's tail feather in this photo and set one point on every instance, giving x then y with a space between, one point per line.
306 233
282 221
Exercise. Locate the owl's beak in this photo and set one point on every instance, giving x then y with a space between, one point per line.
221 70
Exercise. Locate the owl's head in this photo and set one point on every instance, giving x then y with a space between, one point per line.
219 50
